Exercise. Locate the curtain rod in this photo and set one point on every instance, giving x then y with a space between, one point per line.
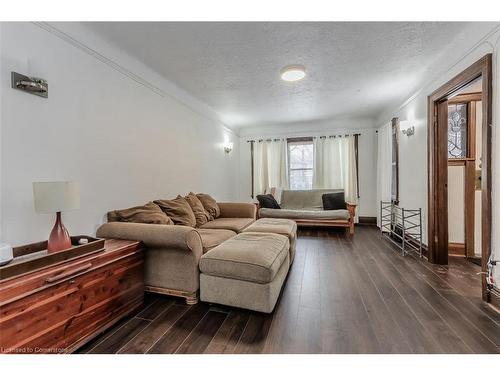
338 135
322 136
266 140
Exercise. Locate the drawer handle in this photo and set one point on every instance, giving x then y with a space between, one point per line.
68 273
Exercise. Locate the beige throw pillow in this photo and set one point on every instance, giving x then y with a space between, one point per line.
210 205
202 216
150 213
178 210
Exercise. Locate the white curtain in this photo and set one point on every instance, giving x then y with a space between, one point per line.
335 165
270 165
384 166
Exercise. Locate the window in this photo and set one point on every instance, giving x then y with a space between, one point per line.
300 164
395 161
457 131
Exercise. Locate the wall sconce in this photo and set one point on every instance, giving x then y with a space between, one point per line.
31 85
409 131
228 147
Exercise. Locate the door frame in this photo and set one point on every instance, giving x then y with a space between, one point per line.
437 139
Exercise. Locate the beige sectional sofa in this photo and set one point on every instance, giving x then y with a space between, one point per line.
174 251
305 207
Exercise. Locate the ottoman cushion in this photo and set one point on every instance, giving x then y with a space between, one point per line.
279 226
243 294
254 257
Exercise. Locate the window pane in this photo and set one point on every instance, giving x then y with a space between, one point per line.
300 163
394 183
301 179
395 160
301 155
457 131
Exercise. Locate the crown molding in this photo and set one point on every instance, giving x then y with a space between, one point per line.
380 119
162 86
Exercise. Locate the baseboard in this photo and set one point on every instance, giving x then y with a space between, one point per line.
494 298
412 241
367 220
476 261
456 249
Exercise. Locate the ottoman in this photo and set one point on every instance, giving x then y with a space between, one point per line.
280 226
246 271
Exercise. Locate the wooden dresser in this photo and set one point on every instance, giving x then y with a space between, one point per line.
59 308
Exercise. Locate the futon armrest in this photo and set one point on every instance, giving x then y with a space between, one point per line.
155 235
351 207
239 210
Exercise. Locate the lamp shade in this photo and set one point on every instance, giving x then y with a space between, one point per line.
56 196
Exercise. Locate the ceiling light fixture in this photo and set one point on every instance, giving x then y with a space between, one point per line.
293 73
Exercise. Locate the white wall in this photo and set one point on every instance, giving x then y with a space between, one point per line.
367 153
482 39
1 117
124 133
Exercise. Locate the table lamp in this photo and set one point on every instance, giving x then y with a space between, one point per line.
56 197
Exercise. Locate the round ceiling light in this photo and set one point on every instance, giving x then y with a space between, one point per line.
293 73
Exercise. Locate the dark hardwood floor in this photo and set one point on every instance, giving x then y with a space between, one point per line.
343 295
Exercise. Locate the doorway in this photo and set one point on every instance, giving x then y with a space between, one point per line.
464 172
455 98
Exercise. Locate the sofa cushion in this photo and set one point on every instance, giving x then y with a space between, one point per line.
236 224
150 213
237 209
275 192
254 257
304 199
211 238
305 214
201 215
334 201
210 205
178 210
267 201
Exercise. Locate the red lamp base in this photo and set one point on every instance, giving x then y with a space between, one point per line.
59 237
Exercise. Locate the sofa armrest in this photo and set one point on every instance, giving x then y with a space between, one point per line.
155 235
238 210
351 207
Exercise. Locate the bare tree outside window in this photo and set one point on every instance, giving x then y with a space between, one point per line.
300 166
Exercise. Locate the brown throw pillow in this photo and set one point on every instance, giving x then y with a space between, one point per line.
178 210
150 213
210 205
202 216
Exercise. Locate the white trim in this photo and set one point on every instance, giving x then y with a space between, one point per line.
389 114
309 133
92 52
167 89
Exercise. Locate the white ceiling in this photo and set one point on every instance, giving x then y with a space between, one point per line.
354 70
